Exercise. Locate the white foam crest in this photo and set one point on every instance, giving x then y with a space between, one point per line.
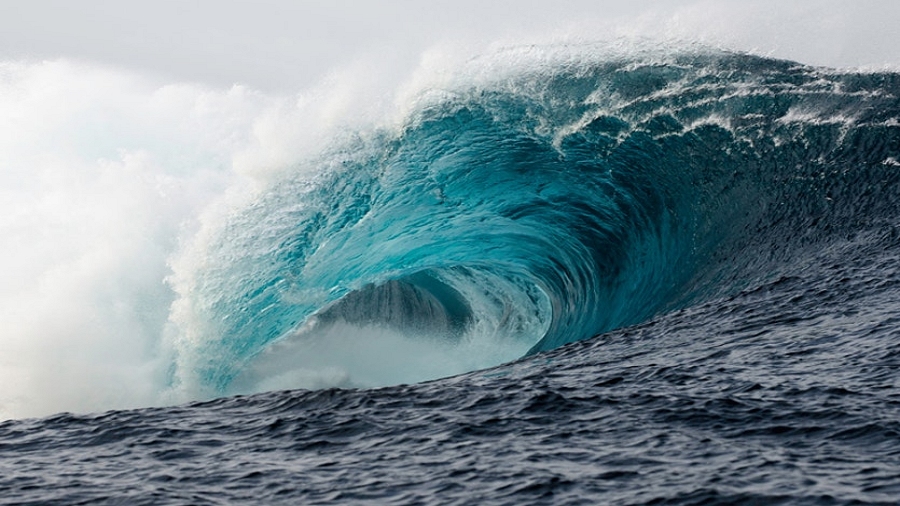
105 175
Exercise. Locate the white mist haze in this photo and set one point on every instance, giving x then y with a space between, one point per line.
128 128
280 45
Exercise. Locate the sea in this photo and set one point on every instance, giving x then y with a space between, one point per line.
557 274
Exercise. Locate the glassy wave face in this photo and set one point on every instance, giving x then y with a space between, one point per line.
546 204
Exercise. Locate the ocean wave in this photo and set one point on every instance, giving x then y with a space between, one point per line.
512 212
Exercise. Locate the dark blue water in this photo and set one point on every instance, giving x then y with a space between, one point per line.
690 259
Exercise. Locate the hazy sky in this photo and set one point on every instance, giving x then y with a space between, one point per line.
283 44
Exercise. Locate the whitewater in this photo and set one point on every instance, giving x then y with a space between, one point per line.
629 271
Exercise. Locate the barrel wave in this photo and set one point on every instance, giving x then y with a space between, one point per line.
570 196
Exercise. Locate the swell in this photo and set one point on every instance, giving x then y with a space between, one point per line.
566 200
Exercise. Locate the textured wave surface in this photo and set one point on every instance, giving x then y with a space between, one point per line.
692 256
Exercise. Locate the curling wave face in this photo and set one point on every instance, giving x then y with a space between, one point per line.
567 198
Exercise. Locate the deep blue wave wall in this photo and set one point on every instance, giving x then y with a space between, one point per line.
559 203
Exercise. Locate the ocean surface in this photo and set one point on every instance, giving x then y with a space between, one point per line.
564 276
